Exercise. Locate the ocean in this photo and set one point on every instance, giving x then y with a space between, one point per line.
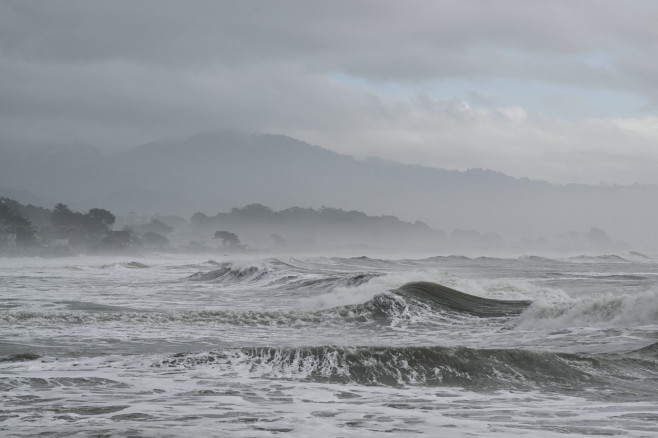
256 346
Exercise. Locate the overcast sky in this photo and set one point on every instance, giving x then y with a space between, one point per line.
565 91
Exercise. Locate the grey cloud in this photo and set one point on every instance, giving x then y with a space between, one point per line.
152 103
125 72
376 39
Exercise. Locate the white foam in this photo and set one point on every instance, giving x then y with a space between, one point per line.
506 289
347 296
57 395
607 310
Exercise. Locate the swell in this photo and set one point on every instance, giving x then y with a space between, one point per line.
650 351
380 309
479 369
20 357
239 318
226 273
610 258
606 310
442 297
413 300
277 274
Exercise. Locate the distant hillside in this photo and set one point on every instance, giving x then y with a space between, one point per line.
298 227
215 172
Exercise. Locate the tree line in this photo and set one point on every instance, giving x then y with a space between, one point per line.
30 224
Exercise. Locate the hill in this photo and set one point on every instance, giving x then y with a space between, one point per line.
215 172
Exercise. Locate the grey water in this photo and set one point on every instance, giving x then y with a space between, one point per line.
330 346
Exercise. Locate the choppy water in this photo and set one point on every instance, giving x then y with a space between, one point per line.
167 346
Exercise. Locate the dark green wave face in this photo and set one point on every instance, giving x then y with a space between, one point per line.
649 352
442 297
476 369
423 299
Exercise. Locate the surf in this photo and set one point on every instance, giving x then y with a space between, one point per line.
443 297
472 368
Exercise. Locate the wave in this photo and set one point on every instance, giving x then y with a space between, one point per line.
442 297
650 351
416 302
238 318
483 369
537 259
458 258
380 309
41 383
20 357
606 310
274 276
639 256
226 273
609 258
630 277
596 276
129 265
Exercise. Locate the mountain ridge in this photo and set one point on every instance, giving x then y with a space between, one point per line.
213 172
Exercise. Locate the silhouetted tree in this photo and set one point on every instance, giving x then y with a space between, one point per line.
253 212
38 216
96 221
100 219
199 219
228 238
81 228
62 216
11 221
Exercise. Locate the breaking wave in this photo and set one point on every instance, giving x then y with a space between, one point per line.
606 310
226 273
267 276
129 265
417 300
650 351
442 297
483 369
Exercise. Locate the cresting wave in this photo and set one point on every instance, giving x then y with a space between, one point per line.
606 310
442 297
422 302
650 351
432 295
129 265
227 275
419 299
379 310
479 369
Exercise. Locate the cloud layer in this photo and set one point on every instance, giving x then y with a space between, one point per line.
564 91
